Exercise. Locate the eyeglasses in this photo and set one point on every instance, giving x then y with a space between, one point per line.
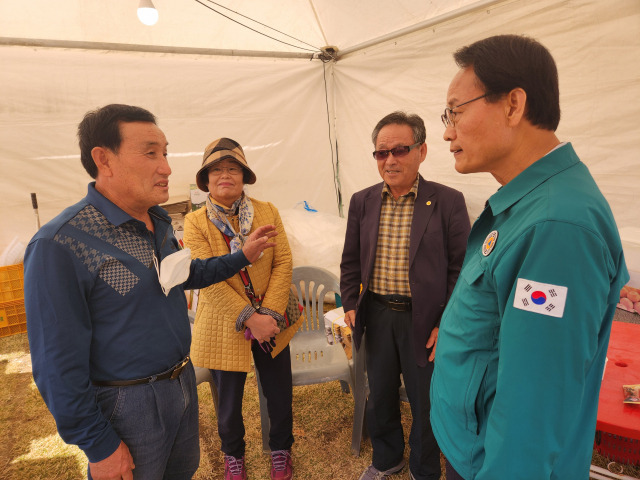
449 116
397 152
230 170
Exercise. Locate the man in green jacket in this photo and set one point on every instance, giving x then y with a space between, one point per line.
524 337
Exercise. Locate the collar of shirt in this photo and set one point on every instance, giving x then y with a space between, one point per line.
414 189
115 214
551 164
226 210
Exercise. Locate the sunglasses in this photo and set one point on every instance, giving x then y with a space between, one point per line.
397 152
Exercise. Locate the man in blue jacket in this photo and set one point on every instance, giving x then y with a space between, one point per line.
523 339
110 343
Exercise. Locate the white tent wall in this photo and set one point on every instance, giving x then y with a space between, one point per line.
276 108
596 45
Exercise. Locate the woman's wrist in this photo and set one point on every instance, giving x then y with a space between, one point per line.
245 314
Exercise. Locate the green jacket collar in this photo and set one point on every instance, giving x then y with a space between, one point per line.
536 174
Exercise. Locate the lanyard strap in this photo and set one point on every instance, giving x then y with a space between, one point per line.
248 287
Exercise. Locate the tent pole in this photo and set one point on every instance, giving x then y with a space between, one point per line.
419 26
126 47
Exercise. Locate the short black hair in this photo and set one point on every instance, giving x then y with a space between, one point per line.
101 128
401 118
504 62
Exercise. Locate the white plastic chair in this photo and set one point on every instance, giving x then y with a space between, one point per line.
313 360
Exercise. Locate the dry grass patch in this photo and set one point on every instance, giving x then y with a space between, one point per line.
31 448
323 416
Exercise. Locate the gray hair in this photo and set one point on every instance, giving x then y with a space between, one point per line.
401 118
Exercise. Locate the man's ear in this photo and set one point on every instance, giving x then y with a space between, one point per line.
102 158
423 152
516 105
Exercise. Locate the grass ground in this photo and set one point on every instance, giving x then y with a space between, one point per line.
31 449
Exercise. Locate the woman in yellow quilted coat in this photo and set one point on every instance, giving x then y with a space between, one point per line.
245 314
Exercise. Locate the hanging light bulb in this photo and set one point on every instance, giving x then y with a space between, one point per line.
147 13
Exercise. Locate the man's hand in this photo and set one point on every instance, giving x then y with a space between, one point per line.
433 339
118 465
350 318
258 241
263 327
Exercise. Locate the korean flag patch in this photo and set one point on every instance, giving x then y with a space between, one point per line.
542 298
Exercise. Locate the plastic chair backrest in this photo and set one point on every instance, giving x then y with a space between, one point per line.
313 360
312 285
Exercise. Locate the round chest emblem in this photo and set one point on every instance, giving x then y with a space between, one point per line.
489 243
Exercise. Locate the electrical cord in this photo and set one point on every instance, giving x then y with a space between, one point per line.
334 165
324 55
316 49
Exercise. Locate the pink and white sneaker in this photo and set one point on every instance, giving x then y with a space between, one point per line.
234 468
281 465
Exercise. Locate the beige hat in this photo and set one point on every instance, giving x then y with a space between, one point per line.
217 151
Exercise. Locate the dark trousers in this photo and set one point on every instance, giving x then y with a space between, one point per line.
158 422
389 353
451 473
275 377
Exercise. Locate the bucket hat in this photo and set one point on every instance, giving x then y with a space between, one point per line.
217 151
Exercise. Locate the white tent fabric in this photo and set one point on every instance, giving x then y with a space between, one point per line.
194 23
305 124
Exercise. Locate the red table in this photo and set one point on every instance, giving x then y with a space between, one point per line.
618 426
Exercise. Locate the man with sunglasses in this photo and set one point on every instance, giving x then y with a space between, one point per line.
524 337
403 250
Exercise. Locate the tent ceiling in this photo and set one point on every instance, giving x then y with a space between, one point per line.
192 24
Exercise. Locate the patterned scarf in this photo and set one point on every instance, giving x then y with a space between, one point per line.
219 217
